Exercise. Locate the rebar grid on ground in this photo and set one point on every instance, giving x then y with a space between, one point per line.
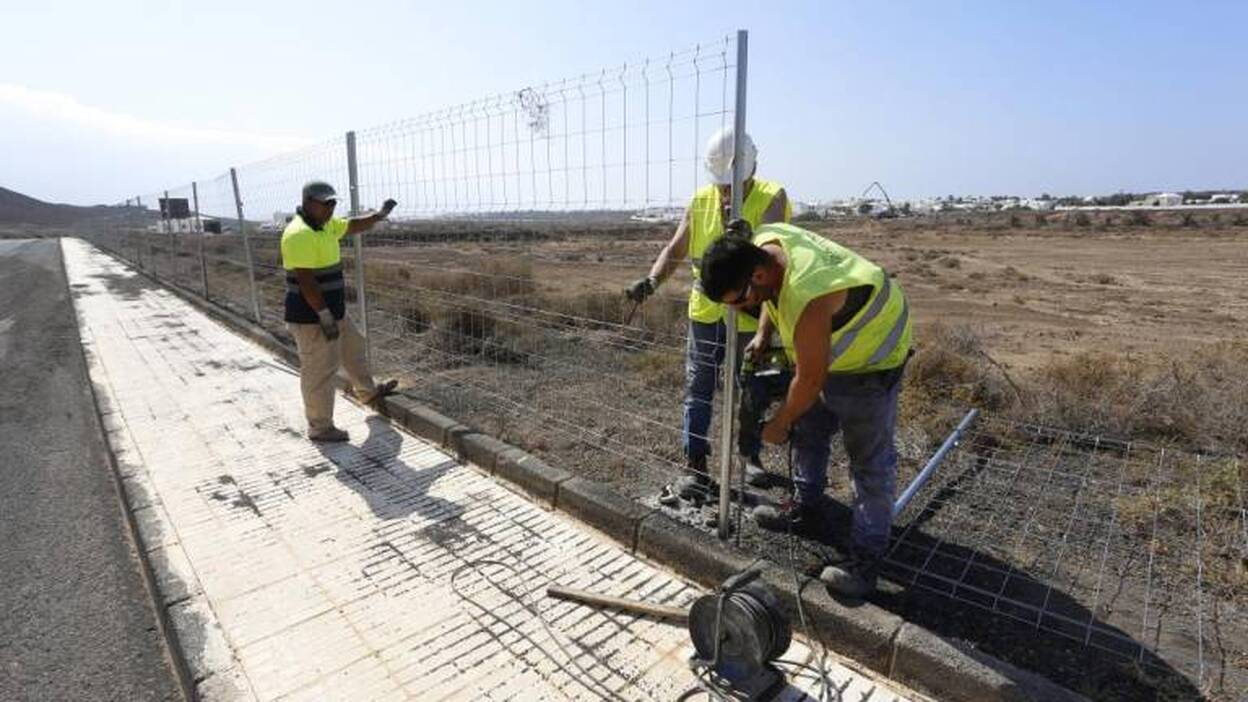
1111 544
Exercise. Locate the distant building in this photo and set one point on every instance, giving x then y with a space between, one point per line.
1160 200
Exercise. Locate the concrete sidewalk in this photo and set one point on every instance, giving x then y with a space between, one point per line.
380 569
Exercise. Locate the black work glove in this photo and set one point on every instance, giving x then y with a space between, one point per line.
329 325
386 207
640 289
739 228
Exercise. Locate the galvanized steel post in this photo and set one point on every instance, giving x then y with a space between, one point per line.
242 229
933 463
728 415
138 244
166 214
353 179
199 229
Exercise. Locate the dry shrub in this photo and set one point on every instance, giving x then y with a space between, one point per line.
950 373
1193 398
491 278
471 335
415 320
659 369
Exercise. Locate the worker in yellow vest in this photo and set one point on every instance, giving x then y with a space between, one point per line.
846 327
316 311
703 223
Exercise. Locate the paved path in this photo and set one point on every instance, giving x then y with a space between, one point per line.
76 621
381 569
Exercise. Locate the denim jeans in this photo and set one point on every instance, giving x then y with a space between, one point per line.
704 353
864 408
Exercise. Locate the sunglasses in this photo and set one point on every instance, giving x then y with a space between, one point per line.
745 295
329 203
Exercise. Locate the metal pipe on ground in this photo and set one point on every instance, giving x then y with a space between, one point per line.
932 463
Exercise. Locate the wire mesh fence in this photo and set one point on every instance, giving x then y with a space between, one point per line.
494 294
1126 548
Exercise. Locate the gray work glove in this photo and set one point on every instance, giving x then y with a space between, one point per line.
329 325
640 289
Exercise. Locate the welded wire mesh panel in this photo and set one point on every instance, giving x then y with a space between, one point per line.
181 237
1131 549
271 191
496 291
224 255
621 139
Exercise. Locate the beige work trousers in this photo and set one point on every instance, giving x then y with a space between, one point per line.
319 362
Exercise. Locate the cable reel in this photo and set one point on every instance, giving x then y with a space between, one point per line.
737 633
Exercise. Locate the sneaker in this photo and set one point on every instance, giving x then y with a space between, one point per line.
330 435
755 474
854 577
791 515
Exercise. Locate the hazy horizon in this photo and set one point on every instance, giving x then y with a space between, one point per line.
965 99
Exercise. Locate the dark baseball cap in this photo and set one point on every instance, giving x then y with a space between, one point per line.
319 190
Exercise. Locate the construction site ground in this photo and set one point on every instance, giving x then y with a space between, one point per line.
378 569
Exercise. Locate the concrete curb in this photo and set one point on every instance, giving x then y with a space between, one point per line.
875 637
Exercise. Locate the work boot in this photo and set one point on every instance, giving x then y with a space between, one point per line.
332 435
854 577
696 484
789 516
755 474
383 390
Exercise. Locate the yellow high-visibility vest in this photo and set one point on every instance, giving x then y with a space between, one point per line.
706 226
876 338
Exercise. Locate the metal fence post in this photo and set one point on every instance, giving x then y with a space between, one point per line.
728 415
199 229
353 179
242 229
138 241
166 214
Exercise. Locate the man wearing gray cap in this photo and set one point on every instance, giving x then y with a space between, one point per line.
316 311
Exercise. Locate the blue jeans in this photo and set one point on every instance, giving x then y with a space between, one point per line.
704 353
864 408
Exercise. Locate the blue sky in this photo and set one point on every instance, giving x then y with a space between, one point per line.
102 100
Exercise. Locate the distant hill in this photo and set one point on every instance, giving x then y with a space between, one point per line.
16 208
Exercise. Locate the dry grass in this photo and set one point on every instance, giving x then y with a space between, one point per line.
1194 398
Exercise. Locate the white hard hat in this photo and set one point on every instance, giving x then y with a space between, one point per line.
718 160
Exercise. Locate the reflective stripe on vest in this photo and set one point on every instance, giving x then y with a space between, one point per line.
327 279
877 338
873 311
894 336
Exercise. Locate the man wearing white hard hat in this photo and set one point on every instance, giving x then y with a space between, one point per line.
763 202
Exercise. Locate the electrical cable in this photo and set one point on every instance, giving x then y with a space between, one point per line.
586 678
825 681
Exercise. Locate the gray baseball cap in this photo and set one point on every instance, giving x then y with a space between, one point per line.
319 190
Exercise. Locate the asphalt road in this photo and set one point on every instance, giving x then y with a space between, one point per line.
76 622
